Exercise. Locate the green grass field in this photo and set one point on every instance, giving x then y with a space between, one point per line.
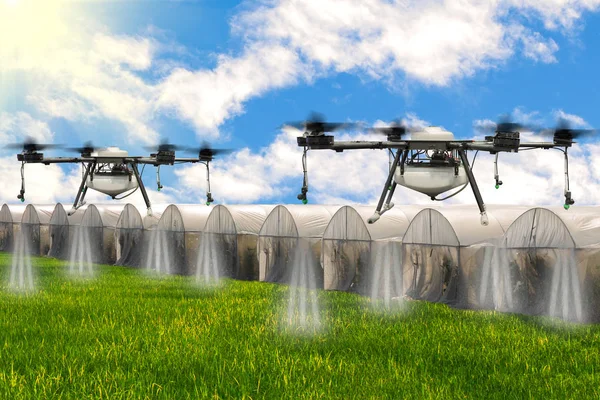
124 335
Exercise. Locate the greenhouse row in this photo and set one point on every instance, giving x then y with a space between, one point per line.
539 261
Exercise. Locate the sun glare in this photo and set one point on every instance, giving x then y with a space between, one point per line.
30 29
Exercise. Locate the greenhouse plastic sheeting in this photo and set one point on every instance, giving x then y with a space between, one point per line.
348 243
279 236
173 244
6 229
59 233
233 232
95 232
129 233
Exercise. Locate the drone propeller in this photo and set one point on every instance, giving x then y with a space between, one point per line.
506 124
315 124
206 152
394 131
87 148
564 134
29 145
165 146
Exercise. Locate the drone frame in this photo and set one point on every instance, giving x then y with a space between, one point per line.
508 142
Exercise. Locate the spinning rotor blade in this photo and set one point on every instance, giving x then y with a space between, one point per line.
396 129
316 124
87 148
164 146
29 145
506 124
563 133
206 151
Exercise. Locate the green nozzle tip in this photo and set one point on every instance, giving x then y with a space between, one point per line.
567 206
497 186
159 189
304 201
208 203
22 200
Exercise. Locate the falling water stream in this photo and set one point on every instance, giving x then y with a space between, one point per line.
565 292
303 307
80 260
386 279
210 261
158 256
496 286
21 274
561 297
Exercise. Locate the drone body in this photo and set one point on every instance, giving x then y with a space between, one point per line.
429 168
111 177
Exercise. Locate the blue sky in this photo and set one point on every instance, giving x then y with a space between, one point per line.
126 73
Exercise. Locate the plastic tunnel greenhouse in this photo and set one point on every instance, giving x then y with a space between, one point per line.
286 229
173 243
350 247
93 232
59 233
441 248
551 263
129 235
232 233
31 220
35 227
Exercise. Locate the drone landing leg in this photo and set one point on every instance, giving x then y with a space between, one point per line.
82 190
478 198
386 189
83 193
142 188
388 205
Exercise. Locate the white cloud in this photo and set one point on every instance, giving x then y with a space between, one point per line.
433 42
75 69
555 14
574 120
82 72
15 127
207 98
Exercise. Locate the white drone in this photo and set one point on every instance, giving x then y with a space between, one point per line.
111 170
433 161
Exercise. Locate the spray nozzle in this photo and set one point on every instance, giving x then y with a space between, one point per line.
484 219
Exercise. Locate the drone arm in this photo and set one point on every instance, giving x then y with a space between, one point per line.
142 187
356 145
478 198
